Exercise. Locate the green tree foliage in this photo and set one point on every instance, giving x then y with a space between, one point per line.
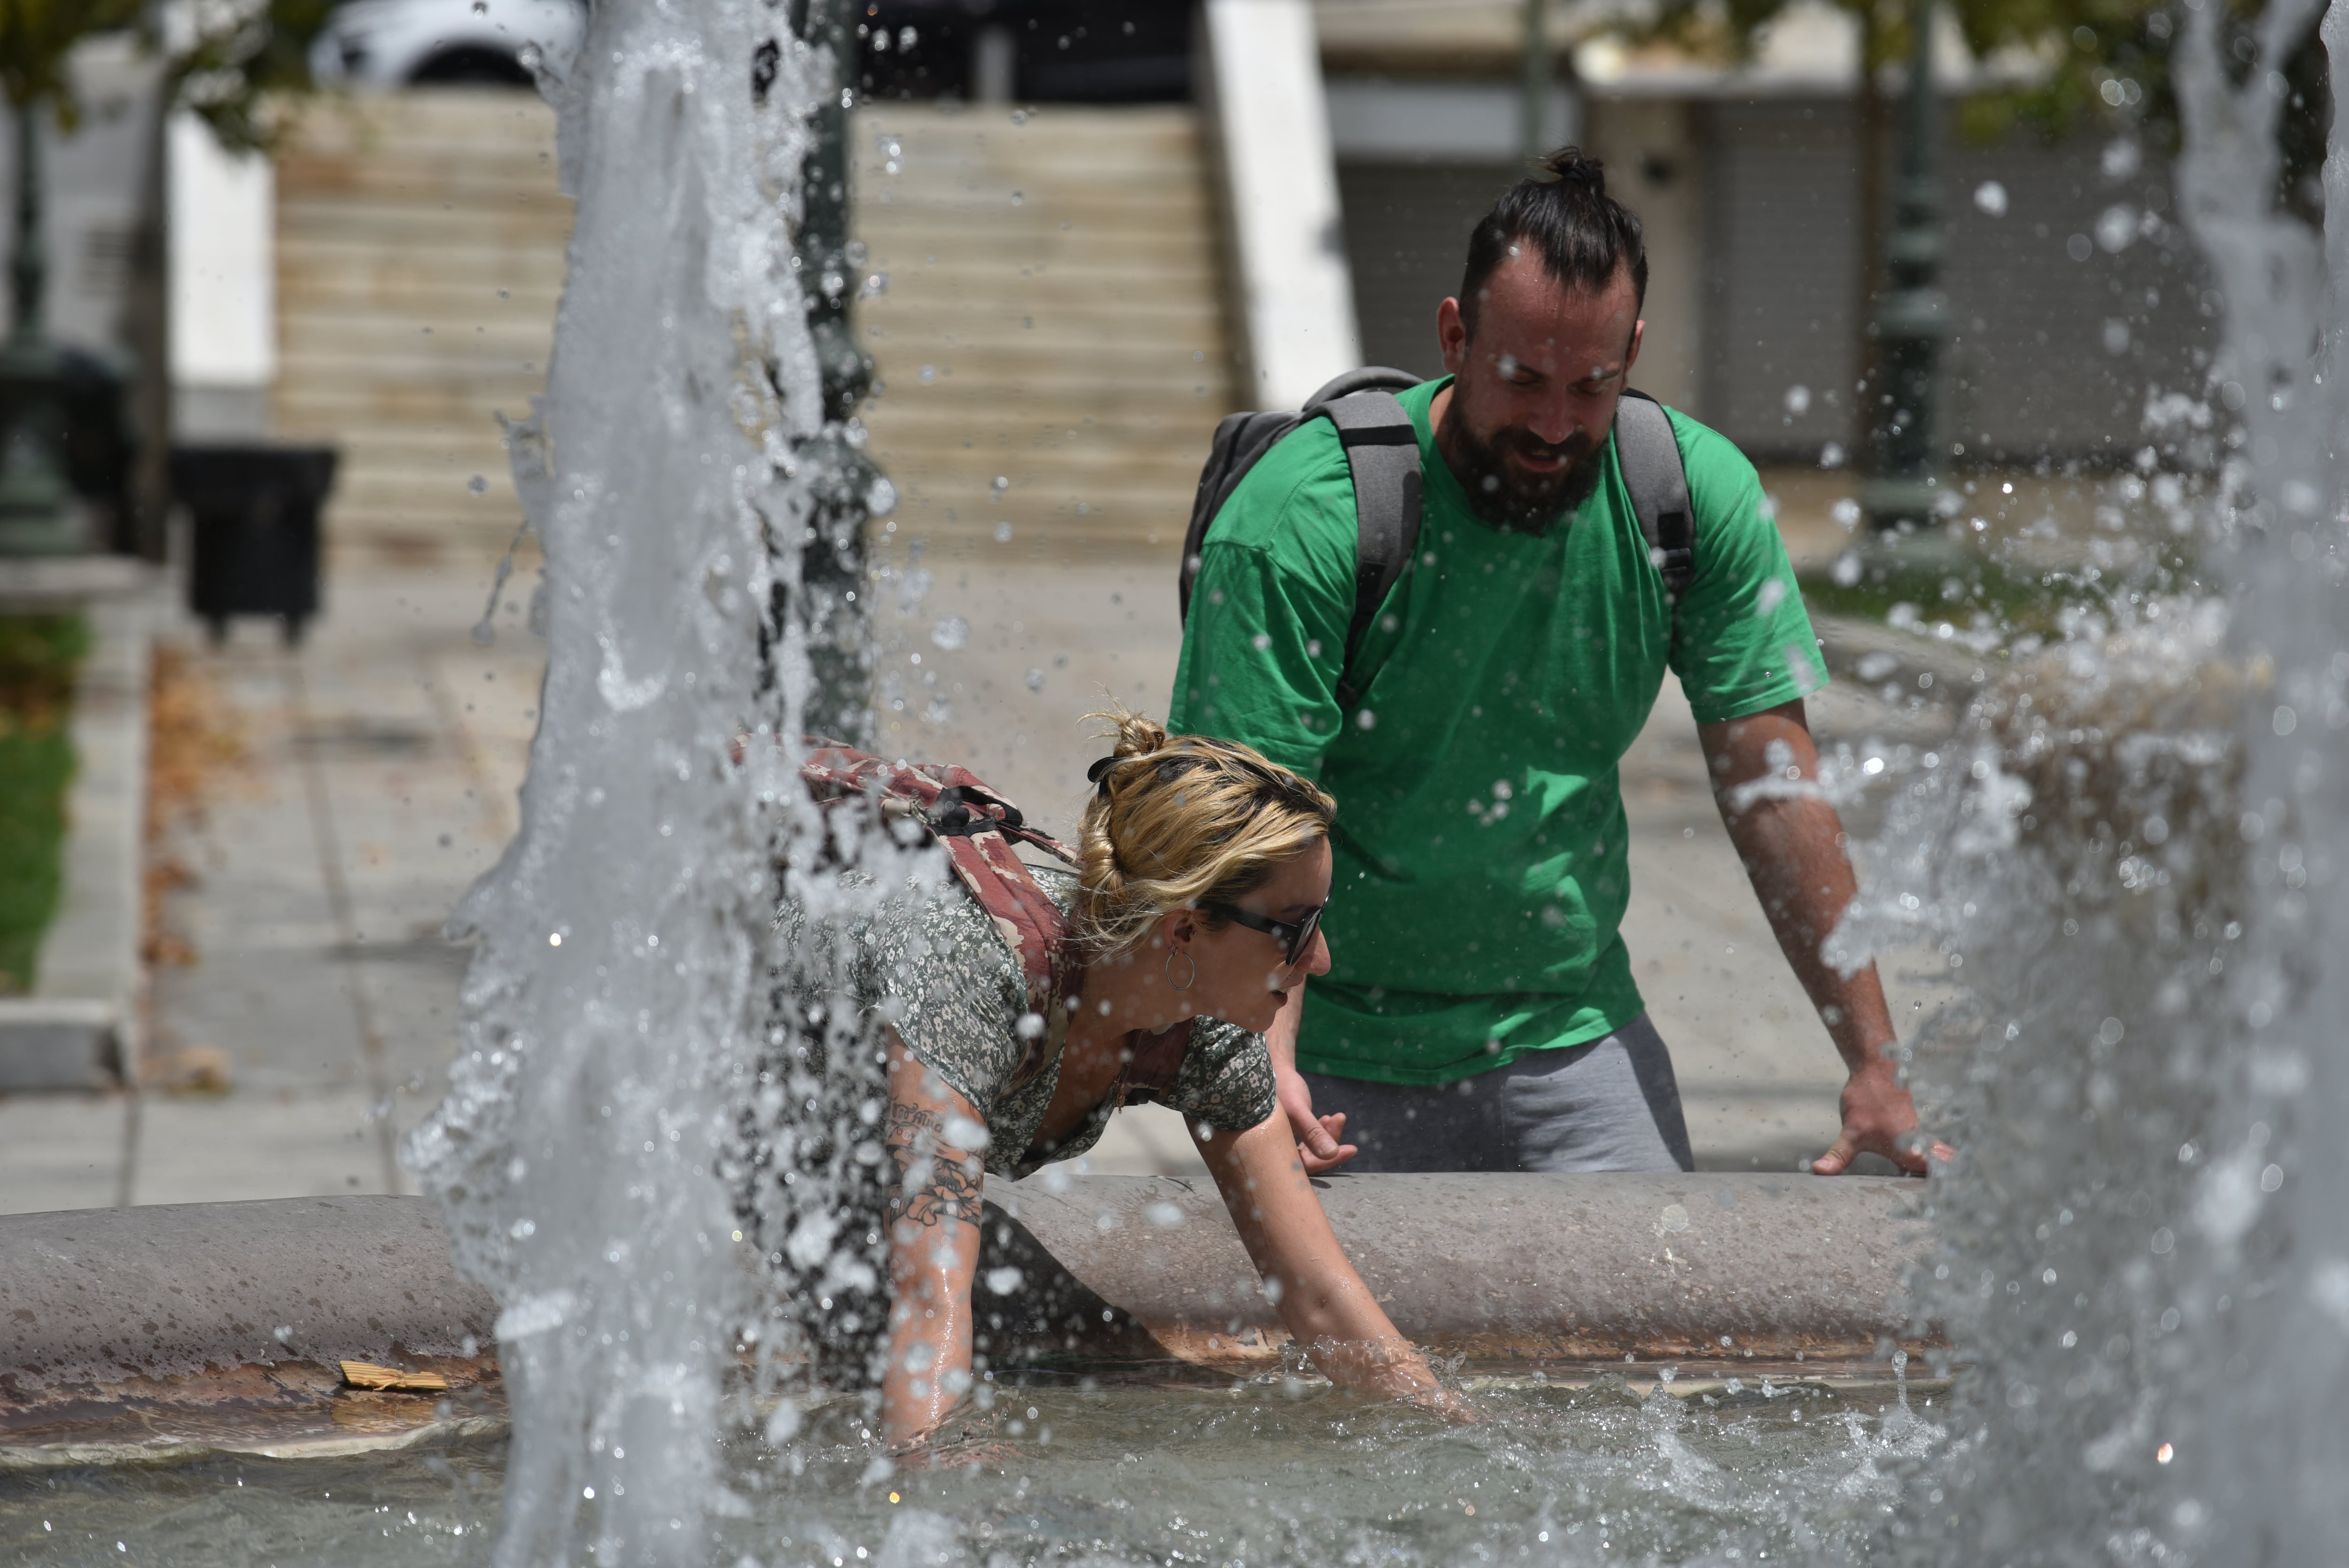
35 37
244 56
223 58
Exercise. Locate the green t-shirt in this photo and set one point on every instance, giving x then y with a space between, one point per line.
1480 873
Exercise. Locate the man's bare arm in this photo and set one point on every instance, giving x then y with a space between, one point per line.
1764 769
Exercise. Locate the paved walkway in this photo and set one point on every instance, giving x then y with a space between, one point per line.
383 757
381 760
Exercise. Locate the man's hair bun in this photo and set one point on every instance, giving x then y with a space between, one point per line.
1561 211
1572 166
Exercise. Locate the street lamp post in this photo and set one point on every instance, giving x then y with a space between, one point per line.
1904 459
37 515
847 485
1535 82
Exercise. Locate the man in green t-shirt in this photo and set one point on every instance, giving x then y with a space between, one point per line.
1480 1013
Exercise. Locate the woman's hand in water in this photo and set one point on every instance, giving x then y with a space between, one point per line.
1323 1301
959 1441
1394 1367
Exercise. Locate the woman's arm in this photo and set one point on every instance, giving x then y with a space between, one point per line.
933 1222
1323 1302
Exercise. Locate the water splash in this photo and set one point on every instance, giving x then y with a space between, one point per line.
2130 857
618 997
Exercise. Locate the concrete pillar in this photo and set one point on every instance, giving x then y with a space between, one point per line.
1293 298
223 311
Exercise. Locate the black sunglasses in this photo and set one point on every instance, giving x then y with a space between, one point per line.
1294 938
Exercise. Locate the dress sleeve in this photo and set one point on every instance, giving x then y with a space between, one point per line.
1226 1078
953 994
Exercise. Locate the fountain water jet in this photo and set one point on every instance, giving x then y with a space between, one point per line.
2135 852
618 994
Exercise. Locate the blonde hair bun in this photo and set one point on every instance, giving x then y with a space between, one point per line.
1175 821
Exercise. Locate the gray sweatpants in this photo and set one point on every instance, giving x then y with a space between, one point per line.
1610 1104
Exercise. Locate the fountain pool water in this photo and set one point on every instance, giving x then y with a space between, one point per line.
1266 1471
2132 847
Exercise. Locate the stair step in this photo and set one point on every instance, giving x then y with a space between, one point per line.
1075 336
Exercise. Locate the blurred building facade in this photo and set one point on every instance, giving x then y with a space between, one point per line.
1093 226
2070 289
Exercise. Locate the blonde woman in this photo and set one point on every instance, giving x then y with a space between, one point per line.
1195 911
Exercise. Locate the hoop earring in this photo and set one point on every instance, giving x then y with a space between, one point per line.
1188 980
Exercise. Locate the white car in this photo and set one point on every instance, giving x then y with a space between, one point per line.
398 43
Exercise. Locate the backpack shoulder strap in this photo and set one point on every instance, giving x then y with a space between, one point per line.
1241 439
1658 480
977 828
1382 451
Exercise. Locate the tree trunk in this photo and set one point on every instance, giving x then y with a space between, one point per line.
147 331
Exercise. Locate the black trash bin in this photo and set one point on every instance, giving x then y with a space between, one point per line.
256 511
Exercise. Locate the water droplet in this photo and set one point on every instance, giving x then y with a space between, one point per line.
478 484
950 632
1990 197
2115 228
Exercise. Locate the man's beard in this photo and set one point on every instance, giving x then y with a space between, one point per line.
1519 502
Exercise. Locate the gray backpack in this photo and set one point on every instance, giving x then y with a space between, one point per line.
1382 451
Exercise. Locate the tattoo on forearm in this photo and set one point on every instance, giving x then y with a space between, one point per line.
932 1188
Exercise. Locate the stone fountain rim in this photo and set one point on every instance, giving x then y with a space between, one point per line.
164 1305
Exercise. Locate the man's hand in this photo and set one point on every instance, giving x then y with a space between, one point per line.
1878 1118
1317 1136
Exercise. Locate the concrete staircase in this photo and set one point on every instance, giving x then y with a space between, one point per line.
419 256
1052 340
